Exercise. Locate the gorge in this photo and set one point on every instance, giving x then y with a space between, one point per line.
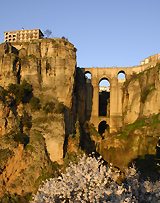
49 112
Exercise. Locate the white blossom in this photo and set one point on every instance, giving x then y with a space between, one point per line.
91 181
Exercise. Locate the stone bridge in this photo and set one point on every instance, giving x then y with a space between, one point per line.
114 118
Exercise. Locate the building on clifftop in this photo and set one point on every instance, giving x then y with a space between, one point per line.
22 35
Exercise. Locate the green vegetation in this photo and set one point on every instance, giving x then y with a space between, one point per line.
47 174
132 77
27 120
146 91
21 92
16 93
48 107
3 94
130 128
59 107
139 123
54 107
4 156
91 130
155 119
35 103
30 148
44 175
14 198
21 138
71 158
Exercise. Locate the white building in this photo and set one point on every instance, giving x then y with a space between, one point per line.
22 35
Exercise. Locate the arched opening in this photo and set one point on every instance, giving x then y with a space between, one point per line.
121 76
89 94
104 97
88 75
102 127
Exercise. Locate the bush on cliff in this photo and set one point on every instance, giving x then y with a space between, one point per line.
22 92
35 103
21 138
54 107
5 154
49 107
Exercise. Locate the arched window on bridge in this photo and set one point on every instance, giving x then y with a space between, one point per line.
102 127
104 97
121 76
88 76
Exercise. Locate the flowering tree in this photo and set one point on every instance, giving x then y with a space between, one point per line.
91 181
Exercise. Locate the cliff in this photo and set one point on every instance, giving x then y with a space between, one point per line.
36 111
47 64
45 115
145 100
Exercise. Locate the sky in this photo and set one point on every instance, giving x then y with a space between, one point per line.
106 33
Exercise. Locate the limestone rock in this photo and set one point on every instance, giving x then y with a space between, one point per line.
141 97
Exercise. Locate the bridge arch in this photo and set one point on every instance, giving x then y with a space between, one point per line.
102 127
104 97
121 76
88 75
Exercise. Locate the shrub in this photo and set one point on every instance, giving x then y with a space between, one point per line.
27 91
15 198
3 94
4 155
21 138
139 123
35 104
59 107
146 91
27 120
49 107
22 92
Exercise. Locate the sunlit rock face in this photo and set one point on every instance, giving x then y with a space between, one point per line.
49 66
141 95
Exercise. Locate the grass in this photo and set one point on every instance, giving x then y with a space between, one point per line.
93 131
139 123
151 121
44 175
30 148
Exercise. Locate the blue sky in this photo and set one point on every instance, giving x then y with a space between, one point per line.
105 32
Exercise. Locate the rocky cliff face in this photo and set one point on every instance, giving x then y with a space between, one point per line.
141 95
36 111
48 64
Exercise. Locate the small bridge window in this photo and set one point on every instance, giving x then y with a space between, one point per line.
88 76
102 127
104 97
121 76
